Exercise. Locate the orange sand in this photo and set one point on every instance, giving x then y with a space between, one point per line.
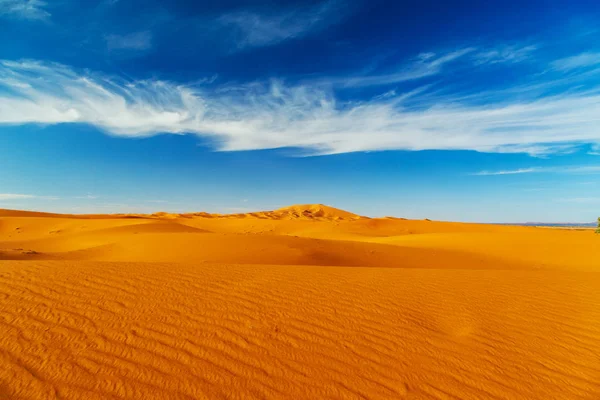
307 302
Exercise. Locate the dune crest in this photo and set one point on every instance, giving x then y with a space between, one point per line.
315 211
298 211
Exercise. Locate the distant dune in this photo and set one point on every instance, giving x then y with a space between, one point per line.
306 301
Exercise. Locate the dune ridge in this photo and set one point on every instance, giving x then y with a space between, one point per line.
306 301
298 211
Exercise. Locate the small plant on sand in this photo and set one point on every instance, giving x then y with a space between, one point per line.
598 228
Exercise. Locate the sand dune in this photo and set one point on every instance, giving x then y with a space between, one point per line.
303 302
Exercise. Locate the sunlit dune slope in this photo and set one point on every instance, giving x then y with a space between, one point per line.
297 235
304 302
314 211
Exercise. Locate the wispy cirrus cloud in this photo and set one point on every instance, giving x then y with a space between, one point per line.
25 9
575 169
257 29
15 196
424 65
507 172
583 60
131 41
306 115
505 54
431 64
595 150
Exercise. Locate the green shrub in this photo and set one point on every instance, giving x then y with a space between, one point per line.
598 229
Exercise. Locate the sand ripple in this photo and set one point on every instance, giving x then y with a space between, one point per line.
102 330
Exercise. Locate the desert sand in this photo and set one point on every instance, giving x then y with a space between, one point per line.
305 302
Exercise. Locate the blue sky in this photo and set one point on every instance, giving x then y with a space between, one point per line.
453 110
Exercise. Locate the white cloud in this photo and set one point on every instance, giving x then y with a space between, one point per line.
587 169
26 9
132 41
425 65
253 29
505 54
595 150
430 64
582 60
14 196
310 117
507 172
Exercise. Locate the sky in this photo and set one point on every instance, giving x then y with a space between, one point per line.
449 110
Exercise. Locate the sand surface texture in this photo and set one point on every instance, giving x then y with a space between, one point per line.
306 302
